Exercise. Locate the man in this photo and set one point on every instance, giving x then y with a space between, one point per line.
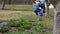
43 2
39 8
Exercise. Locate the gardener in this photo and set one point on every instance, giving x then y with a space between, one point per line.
39 8
43 2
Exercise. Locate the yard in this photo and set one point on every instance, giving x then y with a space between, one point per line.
25 13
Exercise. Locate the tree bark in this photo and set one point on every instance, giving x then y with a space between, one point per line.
47 7
57 20
47 10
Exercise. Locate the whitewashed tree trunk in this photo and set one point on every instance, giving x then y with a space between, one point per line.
57 20
47 10
47 7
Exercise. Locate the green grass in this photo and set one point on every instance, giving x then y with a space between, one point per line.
25 12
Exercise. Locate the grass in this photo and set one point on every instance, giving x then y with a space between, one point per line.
19 7
26 12
5 14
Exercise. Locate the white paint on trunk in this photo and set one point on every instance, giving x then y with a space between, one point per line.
57 19
51 6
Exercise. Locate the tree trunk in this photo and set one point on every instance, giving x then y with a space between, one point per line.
57 20
47 10
10 1
3 4
47 7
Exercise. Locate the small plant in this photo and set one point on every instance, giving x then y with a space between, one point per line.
2 29
38 28
26 24
14 23
21 29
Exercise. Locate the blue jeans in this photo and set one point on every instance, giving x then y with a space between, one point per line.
38 13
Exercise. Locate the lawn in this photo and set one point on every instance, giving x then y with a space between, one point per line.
26 12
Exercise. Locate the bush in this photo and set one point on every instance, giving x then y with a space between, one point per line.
2 29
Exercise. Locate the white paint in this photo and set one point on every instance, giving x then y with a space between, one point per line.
51 6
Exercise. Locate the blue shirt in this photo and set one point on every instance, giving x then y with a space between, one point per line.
37 7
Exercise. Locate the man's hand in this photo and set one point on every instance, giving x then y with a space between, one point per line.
41 9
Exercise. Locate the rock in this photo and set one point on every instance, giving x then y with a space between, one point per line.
4 24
